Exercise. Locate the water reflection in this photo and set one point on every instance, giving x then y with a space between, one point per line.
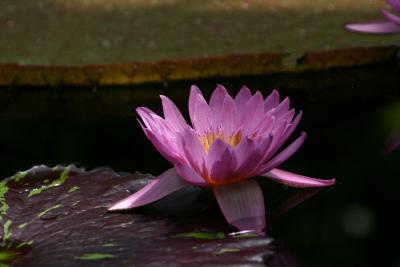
392 143
198 222
349 115
291 200
282 257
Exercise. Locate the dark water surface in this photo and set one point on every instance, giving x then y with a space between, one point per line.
349 115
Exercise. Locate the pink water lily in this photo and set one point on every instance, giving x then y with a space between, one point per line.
390 25
231 141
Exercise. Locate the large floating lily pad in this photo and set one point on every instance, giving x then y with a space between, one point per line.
50 42
191 69
59 217
80 32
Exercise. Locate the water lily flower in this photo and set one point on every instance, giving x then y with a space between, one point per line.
390 25
231 141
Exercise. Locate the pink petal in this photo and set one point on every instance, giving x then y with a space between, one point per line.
290 129
216 151
194 92
288 116
223 169
282 108
192 149
263 143
221 161
285 154
159 134
142 126
217 98
242 97
201 115
391 17
296 180
162 147
223 108
229 116
245 148
271 101
172 114
395 4
164 185
267 124
242 205
148 117
276 135
250 161
156 123
190 175
252 113
382 27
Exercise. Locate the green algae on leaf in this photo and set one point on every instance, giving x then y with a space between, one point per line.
108 245
13 251
49 209
25 243
63 177
73 189
4 205
247 235
95 256
6 230
201 235
19 176
7 255
22 225
226 250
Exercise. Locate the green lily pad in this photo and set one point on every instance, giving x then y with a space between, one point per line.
80 32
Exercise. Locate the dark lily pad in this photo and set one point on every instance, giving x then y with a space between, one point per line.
58 217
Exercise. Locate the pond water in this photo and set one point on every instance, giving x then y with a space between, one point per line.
349 115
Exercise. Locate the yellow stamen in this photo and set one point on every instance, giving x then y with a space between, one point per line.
208 139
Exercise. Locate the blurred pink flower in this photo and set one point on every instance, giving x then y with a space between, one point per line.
392 143
232 140
390 25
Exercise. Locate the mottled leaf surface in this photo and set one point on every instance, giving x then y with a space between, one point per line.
77 32
59 217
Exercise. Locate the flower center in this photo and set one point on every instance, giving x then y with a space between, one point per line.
208 139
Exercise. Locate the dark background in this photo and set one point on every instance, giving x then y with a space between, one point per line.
348 116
